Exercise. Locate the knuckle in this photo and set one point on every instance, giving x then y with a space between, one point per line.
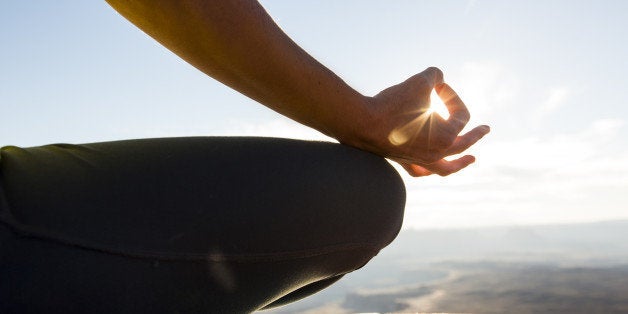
465 116
443 140
443 172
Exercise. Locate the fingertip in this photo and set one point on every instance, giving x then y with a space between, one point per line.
470 158
439 87
464 162
478 132
418 171
442 86
436 75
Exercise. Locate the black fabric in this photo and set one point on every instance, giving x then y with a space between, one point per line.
187 225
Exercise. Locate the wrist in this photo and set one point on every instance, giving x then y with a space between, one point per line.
360 127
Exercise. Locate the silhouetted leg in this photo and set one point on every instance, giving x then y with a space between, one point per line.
187 224
304 291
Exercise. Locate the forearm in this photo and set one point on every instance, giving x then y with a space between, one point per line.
237 43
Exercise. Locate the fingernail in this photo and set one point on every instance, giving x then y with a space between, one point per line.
486 128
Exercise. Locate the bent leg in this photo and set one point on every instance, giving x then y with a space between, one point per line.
188 224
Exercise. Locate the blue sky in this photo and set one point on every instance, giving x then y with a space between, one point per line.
548 76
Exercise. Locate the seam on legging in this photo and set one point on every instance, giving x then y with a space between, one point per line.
24 230
32 232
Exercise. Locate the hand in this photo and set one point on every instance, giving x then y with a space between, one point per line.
404 131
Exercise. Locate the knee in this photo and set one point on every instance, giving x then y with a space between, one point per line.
367 200
380 213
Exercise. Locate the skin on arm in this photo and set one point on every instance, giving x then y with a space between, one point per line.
237 43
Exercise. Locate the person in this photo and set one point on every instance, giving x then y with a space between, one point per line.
215 224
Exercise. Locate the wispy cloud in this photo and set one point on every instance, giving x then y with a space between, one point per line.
560 178
557 98
469 6
486 88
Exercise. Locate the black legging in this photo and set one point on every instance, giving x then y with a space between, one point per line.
187 225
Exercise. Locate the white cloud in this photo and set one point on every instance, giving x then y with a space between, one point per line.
557 179
604 129
556 99
485 87
469 6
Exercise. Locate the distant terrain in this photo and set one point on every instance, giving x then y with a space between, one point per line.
556 268
502 288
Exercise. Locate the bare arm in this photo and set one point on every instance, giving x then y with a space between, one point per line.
237 43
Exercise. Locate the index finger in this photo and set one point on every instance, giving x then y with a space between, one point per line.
458 113
434 75
429 78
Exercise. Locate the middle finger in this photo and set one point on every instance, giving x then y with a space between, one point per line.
461 143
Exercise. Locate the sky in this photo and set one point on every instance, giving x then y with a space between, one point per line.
547 76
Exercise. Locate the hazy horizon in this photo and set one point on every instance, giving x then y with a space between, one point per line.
579 268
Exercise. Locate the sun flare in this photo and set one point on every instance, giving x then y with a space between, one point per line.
437 106
403 134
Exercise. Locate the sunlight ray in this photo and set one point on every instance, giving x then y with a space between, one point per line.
403 134
437 104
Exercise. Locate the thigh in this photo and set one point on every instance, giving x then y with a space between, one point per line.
234 220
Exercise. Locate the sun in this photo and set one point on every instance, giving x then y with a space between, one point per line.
437 106
402 134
